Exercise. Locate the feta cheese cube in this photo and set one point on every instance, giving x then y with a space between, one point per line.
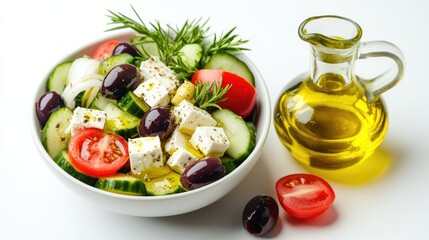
180 140
180 159
153 67
86 118
145 154
211 141
176 140
189 117
156 91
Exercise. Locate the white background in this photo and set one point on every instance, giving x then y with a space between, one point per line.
390 202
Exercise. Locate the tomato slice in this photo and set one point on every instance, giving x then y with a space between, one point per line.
304 196
240 98
105 50
97 153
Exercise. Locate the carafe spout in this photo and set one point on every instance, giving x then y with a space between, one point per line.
335 46
330 32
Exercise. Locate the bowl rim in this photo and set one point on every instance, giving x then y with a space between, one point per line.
262 133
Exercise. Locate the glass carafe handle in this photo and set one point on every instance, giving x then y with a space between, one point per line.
383 82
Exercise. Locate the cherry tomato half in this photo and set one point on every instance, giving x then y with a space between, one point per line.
97 153
105 50
304 196
240 98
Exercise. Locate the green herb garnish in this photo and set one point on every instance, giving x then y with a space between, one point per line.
170 40
208 94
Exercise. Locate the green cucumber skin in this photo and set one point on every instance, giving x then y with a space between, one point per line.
133 105
62 160
174 180
146 46
229 163
230 63
107 64
58 79
122 184
100 102
79 99
54 138
154 192
191 54
240 136
120 122
252 128
252 142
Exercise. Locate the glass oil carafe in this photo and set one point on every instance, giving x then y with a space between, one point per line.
329 117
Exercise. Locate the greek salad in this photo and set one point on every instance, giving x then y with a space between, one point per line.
169 110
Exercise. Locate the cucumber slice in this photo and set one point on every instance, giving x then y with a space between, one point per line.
191 54
62 160
118 121
230 63
58 79
123 184
107 64
121 122
54 138
100 102
145 45
167 184
252 128
133 105
229 163
241 138
79 99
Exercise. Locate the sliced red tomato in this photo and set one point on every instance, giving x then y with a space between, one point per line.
97 153
240 98
304 196
105 50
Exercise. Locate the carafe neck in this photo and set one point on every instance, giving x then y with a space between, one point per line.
334 44
332 69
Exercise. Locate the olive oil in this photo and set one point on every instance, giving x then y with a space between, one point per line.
329 117
328 123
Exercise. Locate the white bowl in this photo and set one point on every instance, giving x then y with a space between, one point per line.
156 206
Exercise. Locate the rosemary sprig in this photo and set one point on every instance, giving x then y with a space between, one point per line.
227 43
170 40
208 94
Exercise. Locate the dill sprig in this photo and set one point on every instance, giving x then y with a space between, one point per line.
208 94
169 40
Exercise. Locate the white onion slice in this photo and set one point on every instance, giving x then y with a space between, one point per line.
82 67
73 89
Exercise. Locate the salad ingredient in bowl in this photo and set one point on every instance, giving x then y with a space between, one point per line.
130 121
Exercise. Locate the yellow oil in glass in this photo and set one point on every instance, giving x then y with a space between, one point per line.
329 123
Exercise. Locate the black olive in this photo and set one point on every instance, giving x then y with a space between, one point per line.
202 172
125 48
46 105
158 121
260 214
119 80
